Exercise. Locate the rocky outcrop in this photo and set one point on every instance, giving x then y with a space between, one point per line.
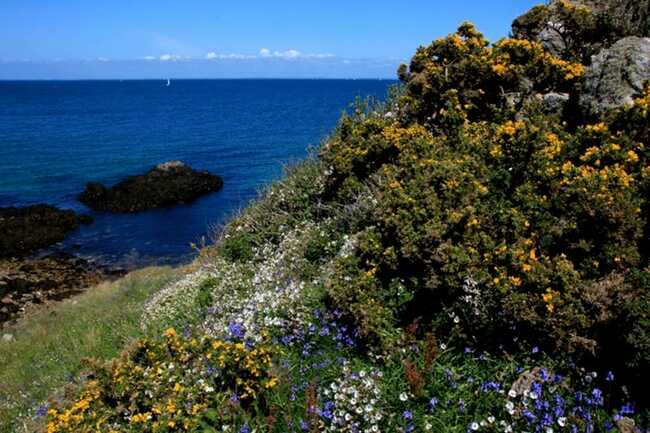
27 229
165 185
616 74
577 29
27 282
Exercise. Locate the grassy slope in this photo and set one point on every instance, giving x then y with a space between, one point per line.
51 344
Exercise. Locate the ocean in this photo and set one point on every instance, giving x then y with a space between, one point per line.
57 135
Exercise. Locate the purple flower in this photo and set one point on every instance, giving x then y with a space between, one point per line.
530 417
407 414
490 386
245 429
627 409
41 411
234 398
304 426
597 395
543 374
433 403
535 350
609 377
236 330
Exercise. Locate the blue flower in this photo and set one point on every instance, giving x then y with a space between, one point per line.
433 403
304 426
530 417
627 409
597 395
609 377
41 411
535 350
407 414
245 429
236 330
490 386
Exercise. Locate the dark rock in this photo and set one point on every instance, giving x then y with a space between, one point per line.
28 282
27 229
553 103
165 185
616 75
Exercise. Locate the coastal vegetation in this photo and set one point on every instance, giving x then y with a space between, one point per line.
472 254
47 347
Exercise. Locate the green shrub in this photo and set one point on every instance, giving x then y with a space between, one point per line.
493 219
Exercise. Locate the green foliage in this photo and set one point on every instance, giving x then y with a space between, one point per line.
238 247
50 344
495 216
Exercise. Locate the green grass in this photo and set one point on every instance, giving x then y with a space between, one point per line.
50 344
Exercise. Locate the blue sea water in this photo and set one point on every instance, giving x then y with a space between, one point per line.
57 135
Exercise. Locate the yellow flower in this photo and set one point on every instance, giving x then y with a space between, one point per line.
499 69
632 157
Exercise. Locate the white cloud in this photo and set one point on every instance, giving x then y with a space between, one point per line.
215 56
173 57
291 54
149 58
103 59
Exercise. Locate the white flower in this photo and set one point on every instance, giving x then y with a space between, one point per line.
403 397
549 430
561 421
474 426
533 395
428 426
512 393
491 419
443 346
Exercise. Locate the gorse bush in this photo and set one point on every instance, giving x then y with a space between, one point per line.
492 214
172 384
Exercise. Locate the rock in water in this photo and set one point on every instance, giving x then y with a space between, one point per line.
167 184
616 75
25 230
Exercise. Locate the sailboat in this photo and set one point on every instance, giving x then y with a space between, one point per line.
169 82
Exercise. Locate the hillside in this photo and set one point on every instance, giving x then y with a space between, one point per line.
470 255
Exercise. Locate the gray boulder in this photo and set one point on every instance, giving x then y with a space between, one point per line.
616 75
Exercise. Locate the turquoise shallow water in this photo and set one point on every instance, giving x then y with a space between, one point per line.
57 135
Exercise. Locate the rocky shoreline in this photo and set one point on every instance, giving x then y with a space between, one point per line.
27 280
25 283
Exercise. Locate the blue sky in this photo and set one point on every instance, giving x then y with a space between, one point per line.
203 38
